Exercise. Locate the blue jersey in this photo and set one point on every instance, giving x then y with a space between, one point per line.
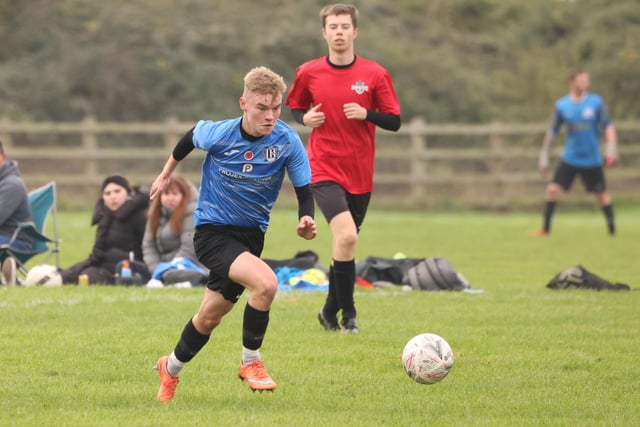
584 120
241 179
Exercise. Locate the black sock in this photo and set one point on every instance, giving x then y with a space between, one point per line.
345 276
191 342
608 214
254 326
549 209
331 305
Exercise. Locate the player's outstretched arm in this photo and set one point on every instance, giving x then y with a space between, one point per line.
163 179
181 150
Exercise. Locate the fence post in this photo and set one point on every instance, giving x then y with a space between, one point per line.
418 166
90 146
496 160
496 148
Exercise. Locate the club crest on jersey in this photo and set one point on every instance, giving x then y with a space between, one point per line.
271 153
248 155
588 113
359 87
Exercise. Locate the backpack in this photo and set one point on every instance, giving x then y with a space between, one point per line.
379 269
577 277
435 274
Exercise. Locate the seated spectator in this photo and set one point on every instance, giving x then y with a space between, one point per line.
121 219
14 209
168 247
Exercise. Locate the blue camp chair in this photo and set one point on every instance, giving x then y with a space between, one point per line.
42 201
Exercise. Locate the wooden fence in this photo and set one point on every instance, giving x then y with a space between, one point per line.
424 165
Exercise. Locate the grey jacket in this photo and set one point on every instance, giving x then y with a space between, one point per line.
14 200
168 245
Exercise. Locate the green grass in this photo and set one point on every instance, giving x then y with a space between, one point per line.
524 355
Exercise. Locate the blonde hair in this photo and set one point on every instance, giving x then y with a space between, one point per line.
177 182
264 81
339 9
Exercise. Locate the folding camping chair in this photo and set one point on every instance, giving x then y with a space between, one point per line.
42 201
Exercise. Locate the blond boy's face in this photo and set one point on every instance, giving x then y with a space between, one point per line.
260 112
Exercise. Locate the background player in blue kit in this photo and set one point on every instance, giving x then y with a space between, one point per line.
242 174
584 115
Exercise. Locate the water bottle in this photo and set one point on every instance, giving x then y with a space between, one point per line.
125 271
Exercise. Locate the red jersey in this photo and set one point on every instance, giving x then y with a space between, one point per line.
343 150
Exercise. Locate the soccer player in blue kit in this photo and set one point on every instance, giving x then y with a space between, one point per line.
242 174
584 115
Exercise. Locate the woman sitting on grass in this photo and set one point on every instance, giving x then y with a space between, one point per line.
167 246
121 218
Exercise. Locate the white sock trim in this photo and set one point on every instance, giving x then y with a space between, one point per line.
174 366
249 356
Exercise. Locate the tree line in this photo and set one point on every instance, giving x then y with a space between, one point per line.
465 61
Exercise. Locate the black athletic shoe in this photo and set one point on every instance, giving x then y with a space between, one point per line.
350 326
328 324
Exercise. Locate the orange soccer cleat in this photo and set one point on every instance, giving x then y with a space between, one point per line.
168 383
255 374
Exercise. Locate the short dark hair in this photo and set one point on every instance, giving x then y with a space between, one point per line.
1 148
575 73
339 9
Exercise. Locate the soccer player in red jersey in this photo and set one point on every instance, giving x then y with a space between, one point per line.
342 97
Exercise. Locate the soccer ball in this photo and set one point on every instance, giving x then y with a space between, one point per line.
427 358
43 275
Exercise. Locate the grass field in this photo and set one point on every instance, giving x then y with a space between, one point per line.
524 355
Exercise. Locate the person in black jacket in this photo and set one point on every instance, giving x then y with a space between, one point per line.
120 215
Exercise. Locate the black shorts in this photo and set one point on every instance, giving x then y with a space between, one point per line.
332 199
592 178
217 247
